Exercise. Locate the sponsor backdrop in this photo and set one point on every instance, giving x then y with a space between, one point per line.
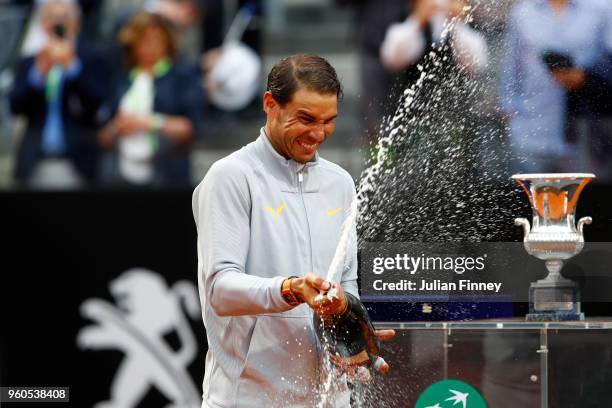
99 293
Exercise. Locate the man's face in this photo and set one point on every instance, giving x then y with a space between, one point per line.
54 15
297 129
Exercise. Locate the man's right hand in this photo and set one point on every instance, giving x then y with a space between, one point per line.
62 52
55 52
308 287
43 61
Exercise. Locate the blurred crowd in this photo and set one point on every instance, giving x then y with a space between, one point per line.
121 101
554 78
121 104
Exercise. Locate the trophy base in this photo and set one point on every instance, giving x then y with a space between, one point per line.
554 301
554 317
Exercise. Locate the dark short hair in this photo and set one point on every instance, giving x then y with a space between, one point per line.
302 71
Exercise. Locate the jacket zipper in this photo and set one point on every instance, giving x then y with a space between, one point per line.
300 186
300 175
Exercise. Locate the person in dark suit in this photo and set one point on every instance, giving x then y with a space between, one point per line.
59 91
157 112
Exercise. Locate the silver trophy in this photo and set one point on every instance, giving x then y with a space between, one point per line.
553 237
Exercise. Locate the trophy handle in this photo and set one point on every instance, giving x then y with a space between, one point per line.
522 222
582 222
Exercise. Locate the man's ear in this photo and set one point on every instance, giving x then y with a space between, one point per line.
269 103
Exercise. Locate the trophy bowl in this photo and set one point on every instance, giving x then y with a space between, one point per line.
553 236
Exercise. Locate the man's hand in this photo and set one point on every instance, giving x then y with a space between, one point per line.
43 61
181 13
571 79
456 8
208 61
62 52
351 365
425 9
384 335
308 287
55 52
125 124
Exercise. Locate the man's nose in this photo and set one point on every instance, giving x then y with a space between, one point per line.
318 132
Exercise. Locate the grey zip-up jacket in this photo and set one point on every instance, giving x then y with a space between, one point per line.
260 219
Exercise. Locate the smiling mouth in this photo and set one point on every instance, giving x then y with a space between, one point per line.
307 146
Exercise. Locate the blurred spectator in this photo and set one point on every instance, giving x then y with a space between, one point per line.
186 17
89 16
393 38
551 47
59 90
208 17
406 43
372 20
157 110
182 13
439 57
232 71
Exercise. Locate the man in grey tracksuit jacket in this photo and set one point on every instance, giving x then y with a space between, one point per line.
261 218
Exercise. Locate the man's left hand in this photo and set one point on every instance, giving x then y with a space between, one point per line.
384 335
571 79
350 364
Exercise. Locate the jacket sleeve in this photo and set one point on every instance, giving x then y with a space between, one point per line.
349 276
403 45
91 85
192 99
26 98
470 48
222 208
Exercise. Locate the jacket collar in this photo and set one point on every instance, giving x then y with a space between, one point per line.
287 171
160 69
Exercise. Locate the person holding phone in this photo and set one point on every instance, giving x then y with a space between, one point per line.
407 42
59 90
550 46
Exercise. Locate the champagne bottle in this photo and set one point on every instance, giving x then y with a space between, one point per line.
350 340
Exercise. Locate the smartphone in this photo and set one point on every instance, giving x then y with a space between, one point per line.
59 30
556 60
